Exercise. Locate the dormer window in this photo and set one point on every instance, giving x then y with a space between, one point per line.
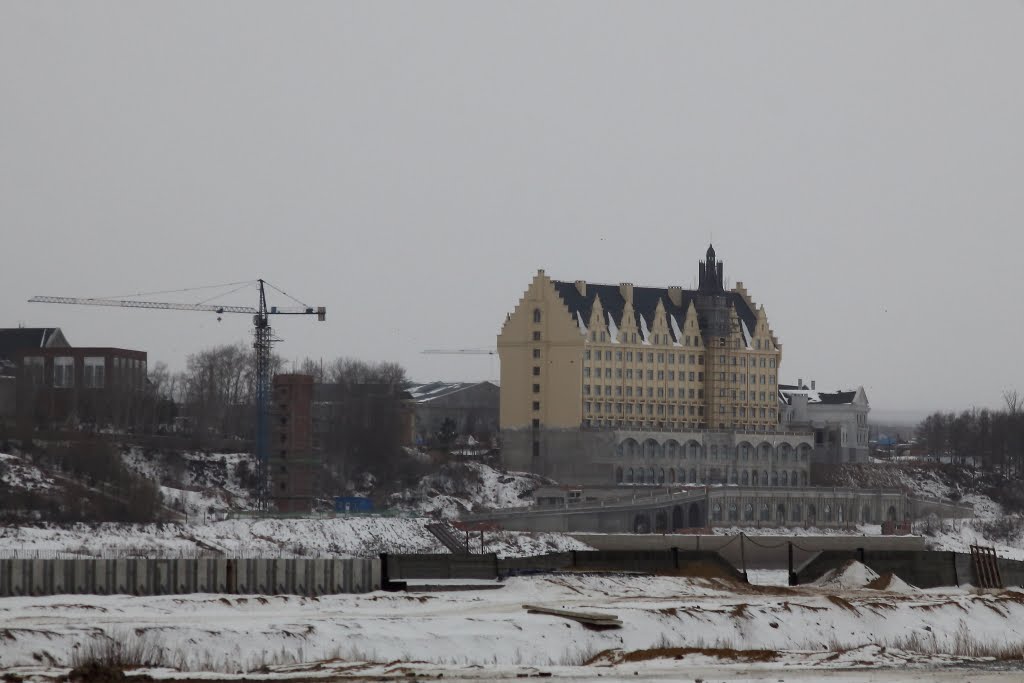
536 315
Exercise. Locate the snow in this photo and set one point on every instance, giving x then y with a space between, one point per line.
583 325
457 488
17 473
484 634
851 575
613 329
677 333
746 335
645 333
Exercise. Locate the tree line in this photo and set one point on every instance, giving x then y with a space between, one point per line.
990 439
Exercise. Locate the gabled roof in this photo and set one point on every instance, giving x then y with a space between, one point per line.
422 393
645 302
14 339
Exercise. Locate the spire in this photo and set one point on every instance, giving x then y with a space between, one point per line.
711 275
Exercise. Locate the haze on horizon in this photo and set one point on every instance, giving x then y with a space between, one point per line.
857 165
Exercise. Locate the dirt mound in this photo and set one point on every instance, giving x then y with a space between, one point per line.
852 574
892 583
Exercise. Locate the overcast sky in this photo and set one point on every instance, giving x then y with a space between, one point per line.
410 166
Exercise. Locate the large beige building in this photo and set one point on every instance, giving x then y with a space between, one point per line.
588 369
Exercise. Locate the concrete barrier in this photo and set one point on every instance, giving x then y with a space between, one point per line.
921 568
303 576
752 552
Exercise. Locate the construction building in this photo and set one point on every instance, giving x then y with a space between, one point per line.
294 457
838 420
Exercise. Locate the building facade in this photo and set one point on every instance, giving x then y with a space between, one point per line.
293 459
588 370
838 420
67 387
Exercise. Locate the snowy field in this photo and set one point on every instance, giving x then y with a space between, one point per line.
362 536
673 629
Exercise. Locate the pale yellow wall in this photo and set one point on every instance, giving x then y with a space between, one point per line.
628 383
560 347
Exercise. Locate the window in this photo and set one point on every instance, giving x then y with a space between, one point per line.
536 315
671 358
536 335
608 373
661 358
607 355
700 376
618 355
650 374
536 423
35 369
700 359
586 372
95 368
536 353
586 390
536 388
536 449
691 375
536 405
661 374
671 375
650 357
586 355
63 371
629 356
536 370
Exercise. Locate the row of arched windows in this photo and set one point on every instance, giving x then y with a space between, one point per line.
691 449
661 475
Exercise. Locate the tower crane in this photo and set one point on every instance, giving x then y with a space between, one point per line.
262 343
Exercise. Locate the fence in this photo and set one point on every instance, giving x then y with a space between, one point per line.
921 568
304 576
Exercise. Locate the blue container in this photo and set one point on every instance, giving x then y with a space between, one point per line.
352 504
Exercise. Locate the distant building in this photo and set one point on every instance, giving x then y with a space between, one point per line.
293 454
606 384
838 419
15 339
58 386
471 406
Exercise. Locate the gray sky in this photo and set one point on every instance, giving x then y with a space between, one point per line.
411 165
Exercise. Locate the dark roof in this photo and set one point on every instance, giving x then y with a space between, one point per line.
16 339
645 302
835 398
838 397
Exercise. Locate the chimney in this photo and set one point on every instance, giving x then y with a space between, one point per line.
626 290
812 385
581 287
675 295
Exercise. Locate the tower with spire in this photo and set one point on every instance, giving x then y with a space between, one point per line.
711 276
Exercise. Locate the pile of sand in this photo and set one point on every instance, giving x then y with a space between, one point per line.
851 574
892 583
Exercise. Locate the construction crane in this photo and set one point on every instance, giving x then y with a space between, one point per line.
262 343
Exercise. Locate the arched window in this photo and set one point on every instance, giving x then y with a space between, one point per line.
828 512
797 512
780 513
693 475
784 478
775 478
748 512
839 513
716 510
733 477
812 513
765 513
661 476
536 315
734 512
650 476
794 478
618 475
671 475
745 478
629 476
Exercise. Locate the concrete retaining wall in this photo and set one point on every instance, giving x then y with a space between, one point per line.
427 566
164 577
758 552
924 569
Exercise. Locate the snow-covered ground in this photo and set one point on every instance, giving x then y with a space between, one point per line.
468 486
362 536
672 627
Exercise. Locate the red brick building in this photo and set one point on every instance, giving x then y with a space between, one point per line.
294 459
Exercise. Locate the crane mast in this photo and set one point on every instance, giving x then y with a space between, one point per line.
263 341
